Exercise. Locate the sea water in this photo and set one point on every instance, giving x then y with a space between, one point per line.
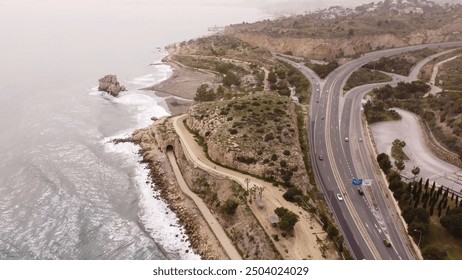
66 191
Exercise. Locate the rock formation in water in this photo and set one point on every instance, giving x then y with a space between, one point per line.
110 85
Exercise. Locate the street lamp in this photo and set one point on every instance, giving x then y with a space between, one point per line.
420 237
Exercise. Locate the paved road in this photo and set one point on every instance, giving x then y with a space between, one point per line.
409 130
364 220
351 159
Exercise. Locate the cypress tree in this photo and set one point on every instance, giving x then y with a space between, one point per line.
440 204
445 203
440 191
452 196
425 200
433 188
432 206
446 192
416 203
409 188
439 212
447 210
427 183
414 190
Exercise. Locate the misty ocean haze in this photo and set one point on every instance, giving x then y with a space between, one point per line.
65 192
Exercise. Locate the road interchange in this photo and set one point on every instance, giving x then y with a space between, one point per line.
339 155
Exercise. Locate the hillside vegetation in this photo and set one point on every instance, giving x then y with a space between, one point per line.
257 134
337 32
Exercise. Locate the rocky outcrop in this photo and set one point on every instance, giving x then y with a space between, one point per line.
110 85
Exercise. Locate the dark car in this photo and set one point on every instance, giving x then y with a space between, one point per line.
386 243
360 191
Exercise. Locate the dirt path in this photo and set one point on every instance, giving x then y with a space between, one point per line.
225 242
307 232
437 66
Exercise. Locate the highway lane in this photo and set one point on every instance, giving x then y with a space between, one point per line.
319 112
357 155
361 154
329 184
324 172
364 221
344 163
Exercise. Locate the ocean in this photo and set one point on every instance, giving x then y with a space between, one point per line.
67 192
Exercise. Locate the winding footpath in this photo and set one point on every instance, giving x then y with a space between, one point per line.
303 245
214 225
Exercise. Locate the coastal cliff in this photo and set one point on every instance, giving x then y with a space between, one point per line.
327 35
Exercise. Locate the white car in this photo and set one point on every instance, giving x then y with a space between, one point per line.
339 197
346 139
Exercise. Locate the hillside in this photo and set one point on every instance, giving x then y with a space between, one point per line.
337 32
256 134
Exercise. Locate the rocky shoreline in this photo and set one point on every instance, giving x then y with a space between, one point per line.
197 231
181 89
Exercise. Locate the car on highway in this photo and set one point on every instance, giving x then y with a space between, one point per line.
386 243
317 89
360 191
360 139
346 139
339 197
320 157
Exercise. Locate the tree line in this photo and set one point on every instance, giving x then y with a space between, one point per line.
419 202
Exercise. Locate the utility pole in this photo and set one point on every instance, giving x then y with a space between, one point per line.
420 236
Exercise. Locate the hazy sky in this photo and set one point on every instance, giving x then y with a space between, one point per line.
268 3
265 4
313 4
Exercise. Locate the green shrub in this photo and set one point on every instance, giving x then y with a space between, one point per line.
229 207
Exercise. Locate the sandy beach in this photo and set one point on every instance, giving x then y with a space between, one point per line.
181 87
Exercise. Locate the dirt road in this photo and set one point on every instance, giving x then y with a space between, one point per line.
308 234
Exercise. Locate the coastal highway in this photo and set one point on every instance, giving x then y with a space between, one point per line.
364 220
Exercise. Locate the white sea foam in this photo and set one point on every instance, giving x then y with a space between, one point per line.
94 91
146 106
161 73
161 223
